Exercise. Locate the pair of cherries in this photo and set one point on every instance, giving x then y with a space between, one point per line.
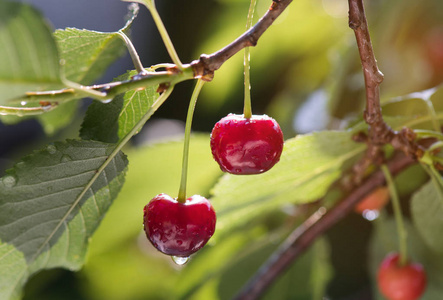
240 146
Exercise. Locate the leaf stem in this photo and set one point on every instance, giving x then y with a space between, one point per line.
432 113
182 191
247 110
134 55
108 90
27 111
422 133
163 33
402 234
436 175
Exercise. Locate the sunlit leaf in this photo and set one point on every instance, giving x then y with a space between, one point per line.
29 59
12 267
309 164
427 213
87 54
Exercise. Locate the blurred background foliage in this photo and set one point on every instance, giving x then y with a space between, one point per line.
305 73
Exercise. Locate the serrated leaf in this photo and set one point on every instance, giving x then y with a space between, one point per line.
87 54
52 201
308 165
427 213
29 59
110 122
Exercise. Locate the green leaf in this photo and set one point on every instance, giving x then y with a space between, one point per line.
52 201
110 122
86 54
427 213
29 59
60 117
309 164
12 267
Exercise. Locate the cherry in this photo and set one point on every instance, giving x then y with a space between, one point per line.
374 201
179 229
246 145
397 282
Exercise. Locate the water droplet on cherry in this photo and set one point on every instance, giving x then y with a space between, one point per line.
180 260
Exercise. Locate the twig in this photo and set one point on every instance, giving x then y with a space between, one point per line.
207 64
303 236
379 133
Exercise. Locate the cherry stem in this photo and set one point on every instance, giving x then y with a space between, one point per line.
402 233
164 33
134 55
182 191
247 110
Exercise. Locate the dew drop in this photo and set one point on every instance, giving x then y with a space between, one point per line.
65 158
370 215
51 149
106 101
180 260
9 181
23 103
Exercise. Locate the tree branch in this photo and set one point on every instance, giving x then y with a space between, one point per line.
207 64
373 76
303 236
379 133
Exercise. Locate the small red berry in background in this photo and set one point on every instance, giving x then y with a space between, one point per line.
179 229
246 146
398 282
374 201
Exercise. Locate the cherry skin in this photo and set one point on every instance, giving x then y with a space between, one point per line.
374 201
246 146
398 282
179 229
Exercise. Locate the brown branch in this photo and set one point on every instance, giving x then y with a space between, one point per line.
373 76
303 236
379 133
207 64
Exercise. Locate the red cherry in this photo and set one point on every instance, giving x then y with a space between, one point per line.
246 146
179 229
374 201
398 282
